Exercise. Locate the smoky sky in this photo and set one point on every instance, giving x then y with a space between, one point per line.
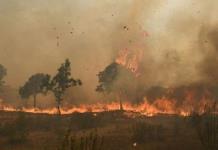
38 35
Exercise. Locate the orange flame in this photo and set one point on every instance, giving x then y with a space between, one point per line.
159 106
130 59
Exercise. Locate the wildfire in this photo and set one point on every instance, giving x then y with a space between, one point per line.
130 59
159 106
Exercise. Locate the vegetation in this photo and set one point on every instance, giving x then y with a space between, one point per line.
3 73
60 82
15 132
107 78
33 87
86 142
159 132
86 120
144 132
206 126
38 131
115 79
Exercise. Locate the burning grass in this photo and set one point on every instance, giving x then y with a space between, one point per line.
159 106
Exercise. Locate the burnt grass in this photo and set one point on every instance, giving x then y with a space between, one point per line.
116 131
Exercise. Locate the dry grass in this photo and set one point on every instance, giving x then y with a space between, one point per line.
46 132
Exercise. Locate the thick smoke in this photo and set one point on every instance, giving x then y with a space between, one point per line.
208 39
178 39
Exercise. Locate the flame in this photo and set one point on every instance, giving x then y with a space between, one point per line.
159 106
130 59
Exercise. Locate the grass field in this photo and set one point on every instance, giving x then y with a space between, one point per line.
96 131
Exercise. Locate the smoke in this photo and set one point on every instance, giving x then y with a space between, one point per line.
208 39
175 44
178 39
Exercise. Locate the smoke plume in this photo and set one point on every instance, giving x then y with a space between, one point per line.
178 40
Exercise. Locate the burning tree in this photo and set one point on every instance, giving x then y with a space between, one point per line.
3 73
60 82
115 79
33 87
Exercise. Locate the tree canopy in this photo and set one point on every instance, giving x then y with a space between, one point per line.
115 78
3 73
33 86
60 82
118 80
107 78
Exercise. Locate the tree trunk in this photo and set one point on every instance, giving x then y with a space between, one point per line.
120 99
58 107
34 101
121 105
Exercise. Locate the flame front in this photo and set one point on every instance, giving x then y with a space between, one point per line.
159 106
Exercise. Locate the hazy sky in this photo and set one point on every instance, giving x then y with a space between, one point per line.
90 32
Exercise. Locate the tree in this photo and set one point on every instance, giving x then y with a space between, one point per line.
116 79
107 78
60 82
3 73
33 87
